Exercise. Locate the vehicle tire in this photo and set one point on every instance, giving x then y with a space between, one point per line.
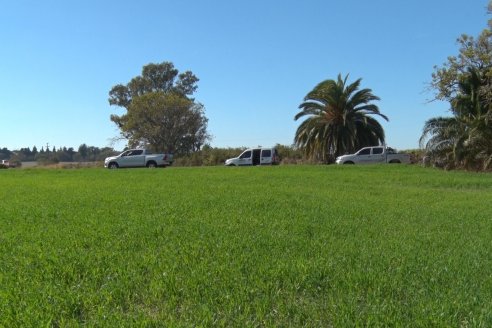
113 166
151 165
395 161
349 162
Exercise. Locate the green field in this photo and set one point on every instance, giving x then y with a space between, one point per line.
313 246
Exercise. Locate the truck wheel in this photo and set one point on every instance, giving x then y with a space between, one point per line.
349 162
113 166
395 161
151 165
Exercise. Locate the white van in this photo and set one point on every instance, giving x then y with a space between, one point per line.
255 156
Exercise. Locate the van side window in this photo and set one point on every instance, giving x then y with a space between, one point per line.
246 154
266 153
378 150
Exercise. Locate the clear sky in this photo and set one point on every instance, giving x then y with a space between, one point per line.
256 61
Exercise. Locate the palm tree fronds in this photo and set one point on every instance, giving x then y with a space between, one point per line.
338 119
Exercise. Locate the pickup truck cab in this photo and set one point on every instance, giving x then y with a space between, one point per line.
138 158
255 156
374 155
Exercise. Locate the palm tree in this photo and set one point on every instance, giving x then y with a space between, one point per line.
338 120
464 140
442 137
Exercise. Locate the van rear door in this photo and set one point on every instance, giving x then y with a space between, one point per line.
266 157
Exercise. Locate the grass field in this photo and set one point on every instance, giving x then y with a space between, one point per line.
313 246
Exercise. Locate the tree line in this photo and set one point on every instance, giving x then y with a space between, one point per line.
50 155
206 156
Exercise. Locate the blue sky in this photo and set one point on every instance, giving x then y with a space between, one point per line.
256 60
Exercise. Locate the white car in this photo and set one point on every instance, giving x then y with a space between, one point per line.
138 158
255 156
373 155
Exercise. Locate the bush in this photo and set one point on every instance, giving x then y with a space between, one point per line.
210 156
416 155
47 161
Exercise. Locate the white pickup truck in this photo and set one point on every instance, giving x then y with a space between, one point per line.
138 158
374 155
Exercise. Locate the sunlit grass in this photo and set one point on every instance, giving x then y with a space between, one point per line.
312 246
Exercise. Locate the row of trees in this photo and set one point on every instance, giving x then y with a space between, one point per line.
5 153
54 155
206 156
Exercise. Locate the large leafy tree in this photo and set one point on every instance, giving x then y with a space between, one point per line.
489 7
338 119
465 81
464 139
475 54
171 122
158 106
